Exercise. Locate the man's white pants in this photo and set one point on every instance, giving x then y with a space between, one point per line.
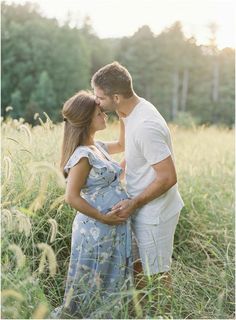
153 244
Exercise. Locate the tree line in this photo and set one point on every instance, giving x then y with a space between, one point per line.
44 63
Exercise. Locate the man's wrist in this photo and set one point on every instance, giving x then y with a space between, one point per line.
135 203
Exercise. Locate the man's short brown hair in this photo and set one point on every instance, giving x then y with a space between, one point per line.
113 78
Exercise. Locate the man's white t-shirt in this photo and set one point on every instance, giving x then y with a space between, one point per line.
147 142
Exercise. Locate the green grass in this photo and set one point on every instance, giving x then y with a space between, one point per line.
203 266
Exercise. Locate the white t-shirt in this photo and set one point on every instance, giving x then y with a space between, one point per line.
147 142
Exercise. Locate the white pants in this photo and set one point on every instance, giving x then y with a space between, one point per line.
153 244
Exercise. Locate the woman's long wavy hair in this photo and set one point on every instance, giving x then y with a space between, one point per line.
78 113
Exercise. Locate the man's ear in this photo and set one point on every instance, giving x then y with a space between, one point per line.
116 98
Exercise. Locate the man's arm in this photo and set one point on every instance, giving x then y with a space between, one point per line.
165 179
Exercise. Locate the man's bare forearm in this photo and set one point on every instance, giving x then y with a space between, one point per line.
129 206
153 191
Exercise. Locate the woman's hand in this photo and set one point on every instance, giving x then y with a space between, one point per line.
124 208
112 218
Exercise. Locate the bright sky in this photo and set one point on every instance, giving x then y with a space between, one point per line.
118 18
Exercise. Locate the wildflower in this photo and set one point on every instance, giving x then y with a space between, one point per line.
12 293
8 167
22 222
8 216
54 228
49 168
40 312
20 257
57 202
50 255
26 130
36 115
39 200
8 108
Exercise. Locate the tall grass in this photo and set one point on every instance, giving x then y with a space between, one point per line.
36 223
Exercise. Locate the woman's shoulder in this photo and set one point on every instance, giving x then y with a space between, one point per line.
79 152
102 144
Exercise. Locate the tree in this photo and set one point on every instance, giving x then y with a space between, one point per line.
214 52
44 96
16 103
44 63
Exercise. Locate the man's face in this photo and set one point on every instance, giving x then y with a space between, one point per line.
106 102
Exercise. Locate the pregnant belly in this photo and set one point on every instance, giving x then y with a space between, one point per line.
104 200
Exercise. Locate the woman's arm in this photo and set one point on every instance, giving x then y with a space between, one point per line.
76 179
117 146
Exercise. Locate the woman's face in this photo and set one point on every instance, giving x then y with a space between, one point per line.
99 120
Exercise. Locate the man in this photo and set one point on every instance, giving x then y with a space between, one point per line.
150 173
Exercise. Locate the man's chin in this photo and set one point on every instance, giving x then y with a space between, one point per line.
108 110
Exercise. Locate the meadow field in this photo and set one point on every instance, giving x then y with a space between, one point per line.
36 223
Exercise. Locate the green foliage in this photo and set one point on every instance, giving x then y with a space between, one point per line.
186 120
171 71
16 101
28 294
43 61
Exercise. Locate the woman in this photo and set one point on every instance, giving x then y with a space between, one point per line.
100 261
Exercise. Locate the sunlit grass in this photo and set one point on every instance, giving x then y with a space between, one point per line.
36 223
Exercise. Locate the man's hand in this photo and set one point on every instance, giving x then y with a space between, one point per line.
111 218
124 208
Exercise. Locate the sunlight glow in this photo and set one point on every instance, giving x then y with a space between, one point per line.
118 18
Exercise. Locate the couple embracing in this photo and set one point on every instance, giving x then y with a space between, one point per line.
118 233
